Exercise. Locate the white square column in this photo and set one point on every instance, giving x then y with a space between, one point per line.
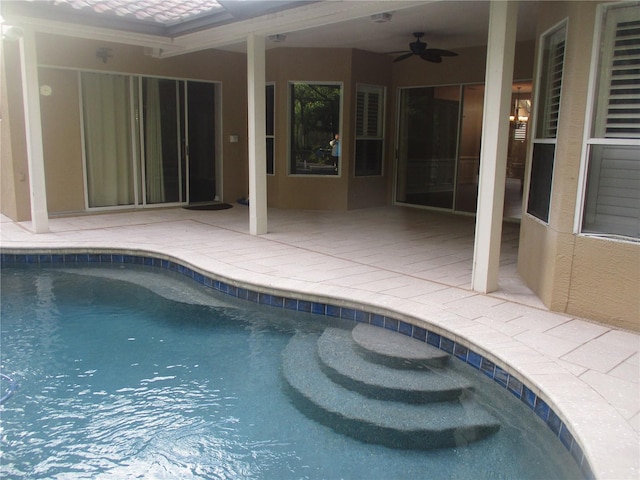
256 99
33 131
503 18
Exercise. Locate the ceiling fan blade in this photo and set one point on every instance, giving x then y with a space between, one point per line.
395 53
442 53
431 57
403 57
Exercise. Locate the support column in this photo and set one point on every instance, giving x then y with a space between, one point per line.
257 135
503 19
33 130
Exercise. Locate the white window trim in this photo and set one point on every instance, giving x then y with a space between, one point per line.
588 140
534 122
273 84
372 88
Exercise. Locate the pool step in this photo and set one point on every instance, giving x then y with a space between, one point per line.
342 361
397 351
395 424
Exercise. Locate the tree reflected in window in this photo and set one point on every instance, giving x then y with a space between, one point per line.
315 122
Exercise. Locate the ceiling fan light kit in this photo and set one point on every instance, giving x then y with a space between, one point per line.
420 49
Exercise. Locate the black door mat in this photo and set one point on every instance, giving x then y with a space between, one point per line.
209 206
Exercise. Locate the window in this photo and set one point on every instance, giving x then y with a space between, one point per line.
612 196
369 130
548 111
270 101
314 127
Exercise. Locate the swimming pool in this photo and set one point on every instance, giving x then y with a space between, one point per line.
120 380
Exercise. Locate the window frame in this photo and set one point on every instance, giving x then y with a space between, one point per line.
272 136
537 137
381 90
589 138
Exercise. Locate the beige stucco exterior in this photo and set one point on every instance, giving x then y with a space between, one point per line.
580 275
586 276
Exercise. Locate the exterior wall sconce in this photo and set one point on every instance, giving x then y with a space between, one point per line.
104 53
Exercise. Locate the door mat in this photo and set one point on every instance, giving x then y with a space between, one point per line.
208 206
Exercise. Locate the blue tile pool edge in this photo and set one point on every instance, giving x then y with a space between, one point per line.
457 349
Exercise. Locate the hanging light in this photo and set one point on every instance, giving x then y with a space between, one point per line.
517 120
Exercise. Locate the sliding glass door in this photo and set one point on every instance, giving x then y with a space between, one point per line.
427 146
201 151
148 141
438 147
469 160
161 141
108 139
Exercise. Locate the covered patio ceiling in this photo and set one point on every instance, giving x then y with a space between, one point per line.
175 27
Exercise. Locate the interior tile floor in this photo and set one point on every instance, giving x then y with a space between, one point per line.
413 264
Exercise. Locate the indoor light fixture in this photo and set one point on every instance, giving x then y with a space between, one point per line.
104 53
381 17
277 38
515 118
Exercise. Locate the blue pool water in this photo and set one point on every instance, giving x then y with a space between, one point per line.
139 373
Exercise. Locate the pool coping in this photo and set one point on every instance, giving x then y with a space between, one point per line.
323 305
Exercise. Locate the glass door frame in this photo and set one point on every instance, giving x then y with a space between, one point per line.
397 148
139 194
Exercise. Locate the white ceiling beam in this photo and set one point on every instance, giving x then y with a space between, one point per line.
93 33
294 19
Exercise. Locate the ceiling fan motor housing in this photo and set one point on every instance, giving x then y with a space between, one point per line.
418 47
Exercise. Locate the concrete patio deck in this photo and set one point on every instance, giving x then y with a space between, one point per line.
411 263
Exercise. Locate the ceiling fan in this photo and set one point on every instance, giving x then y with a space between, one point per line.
420 48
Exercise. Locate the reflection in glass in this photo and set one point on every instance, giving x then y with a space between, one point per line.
471 134
427 146
161 145
315 120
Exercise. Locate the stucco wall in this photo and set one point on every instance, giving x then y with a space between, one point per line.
585 276
372 191
605 282
14 172
285 65
61 140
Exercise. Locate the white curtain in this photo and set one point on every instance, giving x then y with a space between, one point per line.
154 172
107 131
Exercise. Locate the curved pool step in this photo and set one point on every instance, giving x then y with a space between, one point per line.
393 424
343 364
393 350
